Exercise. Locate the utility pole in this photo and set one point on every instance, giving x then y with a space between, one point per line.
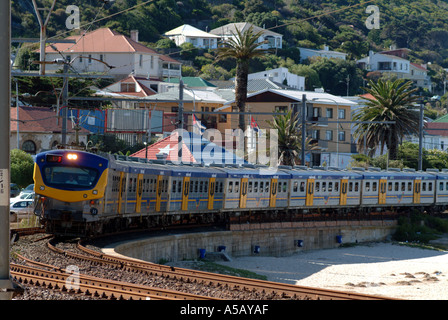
6 285
65 103
303 128
43 32
420 140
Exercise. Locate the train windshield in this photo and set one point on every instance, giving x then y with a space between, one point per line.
70 177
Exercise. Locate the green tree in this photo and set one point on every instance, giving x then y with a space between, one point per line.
392 101
22 166
289 138
242 47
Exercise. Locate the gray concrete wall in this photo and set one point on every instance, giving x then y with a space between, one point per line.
273 239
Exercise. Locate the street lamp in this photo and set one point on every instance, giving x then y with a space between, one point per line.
337 125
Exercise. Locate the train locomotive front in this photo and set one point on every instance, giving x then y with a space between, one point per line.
70 187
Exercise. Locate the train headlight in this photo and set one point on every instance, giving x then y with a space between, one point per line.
42 188
95 192
72 156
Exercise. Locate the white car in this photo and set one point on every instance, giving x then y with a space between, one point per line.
22 196
21 209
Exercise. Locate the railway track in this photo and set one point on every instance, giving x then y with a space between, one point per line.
51 277
284 291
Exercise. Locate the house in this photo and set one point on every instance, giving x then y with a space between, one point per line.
39 129
193 83
107 51
273 39
323 110
393 63
306 53
198 38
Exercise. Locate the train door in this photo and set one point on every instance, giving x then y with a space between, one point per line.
185 193
273 193
382 192
343 197
417 190
122 191
211 193
159 189
309 192
243 193
138 203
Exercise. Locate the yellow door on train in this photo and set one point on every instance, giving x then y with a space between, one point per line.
138 203
309 192
121 191
211 193
343 197
185 193
417 190
243 193
273 194
159 188
382 192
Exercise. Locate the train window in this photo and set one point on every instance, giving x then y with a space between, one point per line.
166 186
285 186
403 186
424 186
317 189
446 186
201 186
336 186
350 186
173 189
356 186
324 186
396 186
302 186
330 186
266 188
250 187
221 185
237 186
367 188
179 186
191 186
196 186
374 186
256 186
389 187
130 184
206 186
296 186
261 186
429 186
409 186
230 186
217 187
441 186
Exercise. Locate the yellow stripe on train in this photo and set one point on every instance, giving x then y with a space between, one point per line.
96 192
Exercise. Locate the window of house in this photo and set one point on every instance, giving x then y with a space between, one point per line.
329 135
329 113
341 113
29 147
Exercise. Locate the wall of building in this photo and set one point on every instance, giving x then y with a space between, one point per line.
272 239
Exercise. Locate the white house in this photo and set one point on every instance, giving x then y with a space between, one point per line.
306 53
195 36
274 39
107 51
280 75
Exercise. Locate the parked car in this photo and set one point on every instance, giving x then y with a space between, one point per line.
28 189
15 190
21 209
22 196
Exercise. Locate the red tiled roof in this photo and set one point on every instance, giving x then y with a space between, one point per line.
438 128
104 40
169 144
39 120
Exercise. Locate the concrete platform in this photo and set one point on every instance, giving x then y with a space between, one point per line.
277 240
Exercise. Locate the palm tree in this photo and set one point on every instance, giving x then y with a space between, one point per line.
242 47
289 138
392 101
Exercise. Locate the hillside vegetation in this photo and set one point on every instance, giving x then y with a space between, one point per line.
418 25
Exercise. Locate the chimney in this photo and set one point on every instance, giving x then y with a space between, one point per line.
134 35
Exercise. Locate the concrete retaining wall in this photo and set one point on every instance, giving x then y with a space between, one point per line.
272 239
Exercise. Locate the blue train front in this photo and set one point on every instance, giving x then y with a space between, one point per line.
69 186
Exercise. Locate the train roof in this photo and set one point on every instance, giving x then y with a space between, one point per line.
299 173
255 172
396 174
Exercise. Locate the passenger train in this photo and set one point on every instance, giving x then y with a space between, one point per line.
80 193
